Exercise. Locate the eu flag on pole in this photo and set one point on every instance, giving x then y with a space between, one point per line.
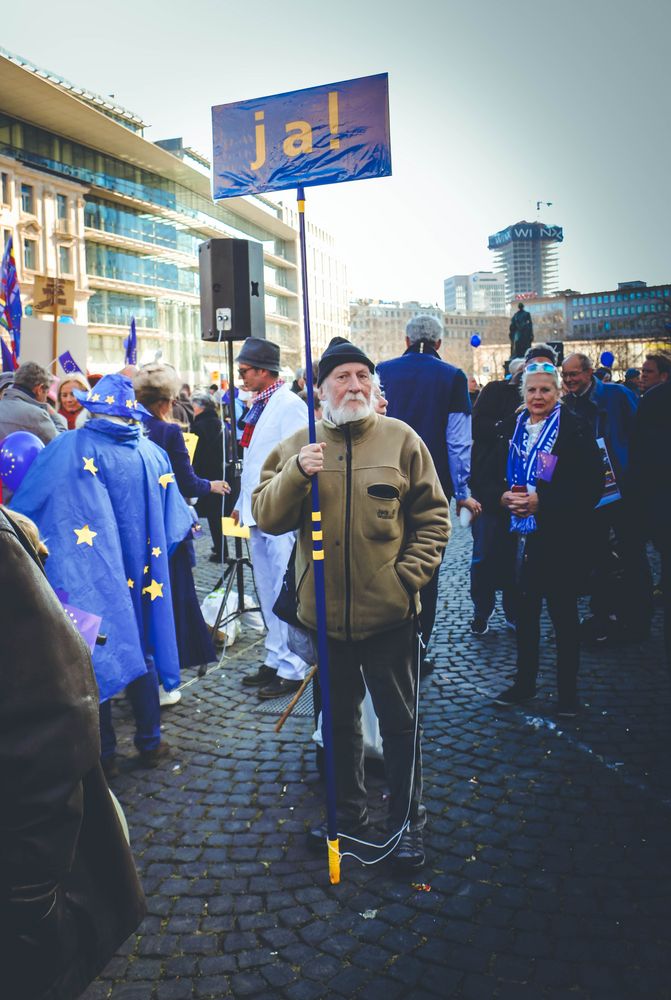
130 343
68 363
10 299
8 364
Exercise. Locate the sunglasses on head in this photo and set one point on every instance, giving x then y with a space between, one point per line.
540 366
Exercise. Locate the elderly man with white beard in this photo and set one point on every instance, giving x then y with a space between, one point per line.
385 522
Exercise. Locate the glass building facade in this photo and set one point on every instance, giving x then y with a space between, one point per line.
141 233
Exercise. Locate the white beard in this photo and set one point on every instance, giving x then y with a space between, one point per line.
350 410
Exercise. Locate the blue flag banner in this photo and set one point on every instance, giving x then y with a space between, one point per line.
11 310
68 363
130 344
8 363
323 135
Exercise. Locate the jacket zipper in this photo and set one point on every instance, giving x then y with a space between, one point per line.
348 512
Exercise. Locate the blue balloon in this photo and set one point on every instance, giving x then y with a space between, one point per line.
65 319
475 340
18 452
607 359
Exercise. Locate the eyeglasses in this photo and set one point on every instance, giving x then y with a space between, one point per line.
537 366
243 371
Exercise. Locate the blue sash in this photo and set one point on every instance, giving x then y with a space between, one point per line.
523 465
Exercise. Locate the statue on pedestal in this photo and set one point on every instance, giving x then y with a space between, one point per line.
521 332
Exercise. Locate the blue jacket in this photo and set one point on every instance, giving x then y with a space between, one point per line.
426 392
611 411
110 481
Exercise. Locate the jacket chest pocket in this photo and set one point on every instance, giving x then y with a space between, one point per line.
381 517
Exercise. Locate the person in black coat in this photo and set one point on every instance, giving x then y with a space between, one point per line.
69 892
547 472
650 479
208 462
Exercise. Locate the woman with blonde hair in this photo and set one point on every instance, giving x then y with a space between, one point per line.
67 403
156 387
546 472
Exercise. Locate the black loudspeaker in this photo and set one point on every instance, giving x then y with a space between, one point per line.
558 348
231 277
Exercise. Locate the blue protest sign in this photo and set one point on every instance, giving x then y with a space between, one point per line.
322 135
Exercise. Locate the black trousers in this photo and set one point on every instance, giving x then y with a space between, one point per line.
622 588
428 596
388 662
562 604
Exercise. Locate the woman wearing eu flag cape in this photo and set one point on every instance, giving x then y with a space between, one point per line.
106 500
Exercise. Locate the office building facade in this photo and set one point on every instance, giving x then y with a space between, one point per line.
632 310
480 292
378 327
88 197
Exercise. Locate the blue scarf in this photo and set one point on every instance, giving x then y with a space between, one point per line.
523 461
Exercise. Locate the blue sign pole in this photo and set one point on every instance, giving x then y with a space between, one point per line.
322 135
320 586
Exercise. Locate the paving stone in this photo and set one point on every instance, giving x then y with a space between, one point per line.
528 822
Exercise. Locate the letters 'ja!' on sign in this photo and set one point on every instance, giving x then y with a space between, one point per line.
324 135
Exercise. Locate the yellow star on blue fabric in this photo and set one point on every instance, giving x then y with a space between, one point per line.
131 583
109 399
129 404
84 535
95 398
89 465
155 589
156 551
167 477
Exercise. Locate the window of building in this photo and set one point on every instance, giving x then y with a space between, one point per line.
61 207
65 260
30 252
6 233
28 198
4 188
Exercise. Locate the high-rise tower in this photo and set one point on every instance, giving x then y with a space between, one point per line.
526 254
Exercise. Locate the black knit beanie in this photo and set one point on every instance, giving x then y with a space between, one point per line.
341 354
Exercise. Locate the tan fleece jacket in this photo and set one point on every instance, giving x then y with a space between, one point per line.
385 522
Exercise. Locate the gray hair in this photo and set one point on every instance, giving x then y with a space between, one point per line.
424 328
203 398
585 362
30 375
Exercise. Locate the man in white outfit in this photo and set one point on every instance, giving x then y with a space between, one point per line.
275 414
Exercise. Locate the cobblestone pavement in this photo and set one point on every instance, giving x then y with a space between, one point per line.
547 846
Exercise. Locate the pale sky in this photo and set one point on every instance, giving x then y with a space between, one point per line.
493 106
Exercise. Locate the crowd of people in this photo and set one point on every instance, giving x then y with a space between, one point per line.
560 471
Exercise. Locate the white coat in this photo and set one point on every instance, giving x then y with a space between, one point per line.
283 414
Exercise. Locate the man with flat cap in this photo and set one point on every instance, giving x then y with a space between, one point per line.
275 414
385 522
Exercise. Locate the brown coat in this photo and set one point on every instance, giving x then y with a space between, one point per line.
69 892
385 522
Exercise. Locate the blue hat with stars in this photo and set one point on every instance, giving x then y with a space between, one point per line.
113 396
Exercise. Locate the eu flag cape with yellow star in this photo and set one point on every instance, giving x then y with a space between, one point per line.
106 503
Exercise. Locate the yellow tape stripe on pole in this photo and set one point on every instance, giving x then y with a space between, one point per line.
334 861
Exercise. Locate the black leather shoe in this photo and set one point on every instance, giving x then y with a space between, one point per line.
426 667
152 758
316 837
264 675
409 855
279 687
